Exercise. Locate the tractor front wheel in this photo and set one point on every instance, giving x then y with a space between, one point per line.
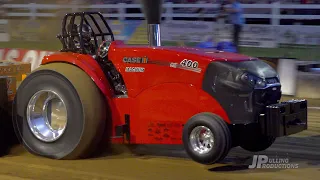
207 138
59 112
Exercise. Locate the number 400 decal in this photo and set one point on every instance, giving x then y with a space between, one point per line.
189 63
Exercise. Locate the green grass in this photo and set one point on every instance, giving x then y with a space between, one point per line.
301 53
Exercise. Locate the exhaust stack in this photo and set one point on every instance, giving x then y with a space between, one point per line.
152 10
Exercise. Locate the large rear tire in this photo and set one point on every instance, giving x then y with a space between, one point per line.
78 100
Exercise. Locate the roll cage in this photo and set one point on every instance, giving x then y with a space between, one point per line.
69 30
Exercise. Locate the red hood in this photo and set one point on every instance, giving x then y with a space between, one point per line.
210 53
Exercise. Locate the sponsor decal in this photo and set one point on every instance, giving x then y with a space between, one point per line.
161 131
31 56
134 69
5 70
9 82
137 60
188 65
185 64
174 65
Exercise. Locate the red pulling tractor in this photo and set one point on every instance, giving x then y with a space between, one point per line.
101 90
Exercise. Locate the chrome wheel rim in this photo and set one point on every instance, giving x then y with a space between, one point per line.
201 139
47 115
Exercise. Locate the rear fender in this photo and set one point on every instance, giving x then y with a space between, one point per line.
87 64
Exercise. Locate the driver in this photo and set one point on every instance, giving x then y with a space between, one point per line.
86 30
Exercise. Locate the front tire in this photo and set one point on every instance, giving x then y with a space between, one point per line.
76 99
207 138
257 143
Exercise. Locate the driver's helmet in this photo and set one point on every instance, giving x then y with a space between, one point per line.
86 32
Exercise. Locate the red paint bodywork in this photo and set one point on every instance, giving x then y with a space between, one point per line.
162 98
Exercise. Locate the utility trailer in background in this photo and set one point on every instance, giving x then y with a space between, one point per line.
11 74
5 120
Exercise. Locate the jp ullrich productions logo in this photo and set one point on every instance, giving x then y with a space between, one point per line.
263 161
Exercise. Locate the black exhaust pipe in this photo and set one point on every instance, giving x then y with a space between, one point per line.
152 10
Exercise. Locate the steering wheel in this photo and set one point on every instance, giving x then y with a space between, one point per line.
104 49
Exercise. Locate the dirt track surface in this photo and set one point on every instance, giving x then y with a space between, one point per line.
164 163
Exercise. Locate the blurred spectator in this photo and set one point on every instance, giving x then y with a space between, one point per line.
236 18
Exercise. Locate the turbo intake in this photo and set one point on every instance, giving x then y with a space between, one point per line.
152 10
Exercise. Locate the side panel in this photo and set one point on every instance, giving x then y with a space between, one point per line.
159 113
87 64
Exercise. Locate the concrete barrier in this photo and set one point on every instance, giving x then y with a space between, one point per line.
287 70
308 85
298 78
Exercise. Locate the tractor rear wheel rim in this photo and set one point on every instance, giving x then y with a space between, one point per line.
201 139
47 115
